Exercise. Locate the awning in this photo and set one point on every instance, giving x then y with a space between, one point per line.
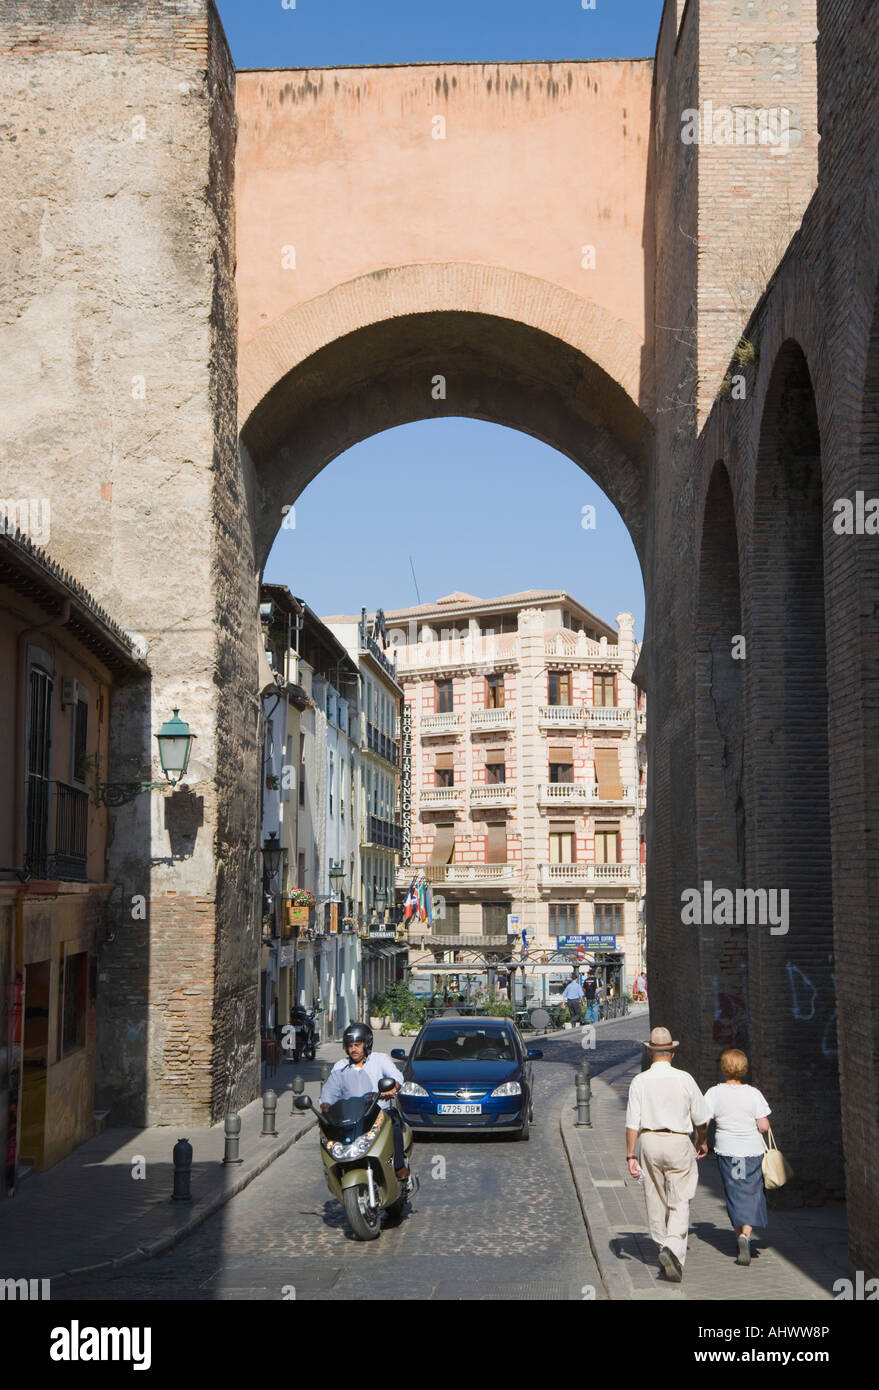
443 845
607 774
561 752
444 761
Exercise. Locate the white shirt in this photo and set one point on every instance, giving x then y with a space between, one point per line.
346 1080
665 1098
735 1108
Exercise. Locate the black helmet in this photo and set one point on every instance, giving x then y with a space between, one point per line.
358 1033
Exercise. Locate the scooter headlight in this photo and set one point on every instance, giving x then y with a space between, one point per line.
509 1088
337 1149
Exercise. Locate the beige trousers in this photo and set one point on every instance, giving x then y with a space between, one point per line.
671 1174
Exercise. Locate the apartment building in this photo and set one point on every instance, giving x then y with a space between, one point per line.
524 779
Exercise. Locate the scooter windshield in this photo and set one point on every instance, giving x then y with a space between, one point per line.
348 1119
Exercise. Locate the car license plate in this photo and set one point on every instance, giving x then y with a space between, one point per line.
460 1109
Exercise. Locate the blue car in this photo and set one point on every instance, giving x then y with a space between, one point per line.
468 1074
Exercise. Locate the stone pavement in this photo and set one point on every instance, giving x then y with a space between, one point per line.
89 1212
799 1256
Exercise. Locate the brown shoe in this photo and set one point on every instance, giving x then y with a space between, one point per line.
402 1173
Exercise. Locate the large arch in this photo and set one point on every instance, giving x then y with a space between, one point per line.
466 341
791 975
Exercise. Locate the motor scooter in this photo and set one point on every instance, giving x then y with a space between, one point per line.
299 1037
357 1149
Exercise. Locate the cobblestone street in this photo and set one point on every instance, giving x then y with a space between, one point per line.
504 1222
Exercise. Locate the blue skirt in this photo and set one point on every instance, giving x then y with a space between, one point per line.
743 1188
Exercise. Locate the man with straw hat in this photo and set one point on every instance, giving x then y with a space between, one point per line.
665 1106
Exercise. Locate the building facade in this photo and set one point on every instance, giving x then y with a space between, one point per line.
62 657
525 777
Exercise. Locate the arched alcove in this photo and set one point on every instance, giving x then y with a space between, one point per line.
788 849
720 810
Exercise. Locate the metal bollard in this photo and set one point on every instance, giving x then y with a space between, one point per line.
269 1109
182 1171
233 1131
297 1086
584 1095
325 1069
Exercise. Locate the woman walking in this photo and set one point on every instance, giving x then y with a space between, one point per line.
741 1114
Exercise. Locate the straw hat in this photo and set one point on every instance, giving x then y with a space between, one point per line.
660 1041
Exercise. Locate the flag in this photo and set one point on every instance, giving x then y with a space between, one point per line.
428 904
422 910
410 902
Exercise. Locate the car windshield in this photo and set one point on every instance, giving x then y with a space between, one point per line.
451 1043
349 1118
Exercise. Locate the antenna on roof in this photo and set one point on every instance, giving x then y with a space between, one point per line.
414 580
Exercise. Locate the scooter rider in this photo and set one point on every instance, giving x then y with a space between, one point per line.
360 1073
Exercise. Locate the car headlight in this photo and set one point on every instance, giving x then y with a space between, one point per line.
412 1088
509 1088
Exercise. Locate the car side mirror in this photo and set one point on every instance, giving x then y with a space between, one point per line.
398 1053
303 1103
385 1085
533 1054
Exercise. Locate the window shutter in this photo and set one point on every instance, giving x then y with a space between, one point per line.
443 845
496 843
607 773
446 761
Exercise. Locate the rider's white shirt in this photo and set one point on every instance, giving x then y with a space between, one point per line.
346 1080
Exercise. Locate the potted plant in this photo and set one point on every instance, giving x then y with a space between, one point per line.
377 1008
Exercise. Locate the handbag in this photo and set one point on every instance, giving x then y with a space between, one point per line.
776 1169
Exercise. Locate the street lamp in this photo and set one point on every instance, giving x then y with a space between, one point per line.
272 850
175 745
380 899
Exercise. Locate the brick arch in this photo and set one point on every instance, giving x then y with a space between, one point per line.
511 348
719 662
787 756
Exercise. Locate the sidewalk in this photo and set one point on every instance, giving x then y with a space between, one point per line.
799 1256
89 1212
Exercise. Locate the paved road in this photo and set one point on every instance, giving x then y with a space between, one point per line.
499 1220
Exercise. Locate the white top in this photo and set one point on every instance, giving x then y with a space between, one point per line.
735 1108
346 1080
665 1098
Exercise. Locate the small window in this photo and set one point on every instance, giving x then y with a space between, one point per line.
445 698
608 919
445 776
72 1003
604 691
607 844
80 741
494 919
495 774
494 692
561 844
563 919
561 772
559 687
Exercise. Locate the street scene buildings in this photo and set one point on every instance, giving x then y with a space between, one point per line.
218 806
528 777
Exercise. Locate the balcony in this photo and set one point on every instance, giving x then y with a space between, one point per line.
489 721
496 794
589 875
441 798
642 721
71 831
488 874
562 717
608 717
440 724
461 651
384 833
382 744
554 794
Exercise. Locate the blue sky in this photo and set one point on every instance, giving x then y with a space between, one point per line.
478 507
338 33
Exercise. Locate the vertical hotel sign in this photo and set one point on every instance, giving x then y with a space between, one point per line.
406 783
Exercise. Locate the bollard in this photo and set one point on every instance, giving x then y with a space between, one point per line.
269 1108
297 1086
233 1131
325 1069
182 1171
584 1095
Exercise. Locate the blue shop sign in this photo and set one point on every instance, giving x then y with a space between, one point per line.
591 943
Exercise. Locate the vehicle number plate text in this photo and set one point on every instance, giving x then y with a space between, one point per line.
460 1109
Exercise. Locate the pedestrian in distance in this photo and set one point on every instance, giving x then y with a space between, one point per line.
590 990
665 1107
741 1115
573 997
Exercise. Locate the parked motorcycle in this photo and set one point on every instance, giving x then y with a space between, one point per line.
299 1037
357 1149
